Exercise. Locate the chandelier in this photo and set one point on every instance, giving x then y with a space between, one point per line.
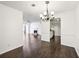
45 16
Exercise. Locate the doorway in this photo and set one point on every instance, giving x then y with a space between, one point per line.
55 33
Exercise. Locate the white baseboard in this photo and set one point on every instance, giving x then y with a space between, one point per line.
10 49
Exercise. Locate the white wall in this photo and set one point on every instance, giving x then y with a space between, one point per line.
45 31
11 23
35 26
67 27
70 28
77 29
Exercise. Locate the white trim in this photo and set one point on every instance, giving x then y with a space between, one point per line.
10 49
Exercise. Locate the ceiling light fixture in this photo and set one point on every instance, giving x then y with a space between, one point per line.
45 16
33 5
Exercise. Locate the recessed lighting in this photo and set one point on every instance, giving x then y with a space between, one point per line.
46 2
33 5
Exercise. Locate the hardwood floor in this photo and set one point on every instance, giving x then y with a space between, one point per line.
35 48
16 53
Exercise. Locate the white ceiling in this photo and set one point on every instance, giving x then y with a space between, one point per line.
32 13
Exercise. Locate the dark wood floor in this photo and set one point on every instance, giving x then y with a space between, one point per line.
35 48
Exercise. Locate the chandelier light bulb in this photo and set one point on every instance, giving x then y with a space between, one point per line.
41 15
45 13
52 13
